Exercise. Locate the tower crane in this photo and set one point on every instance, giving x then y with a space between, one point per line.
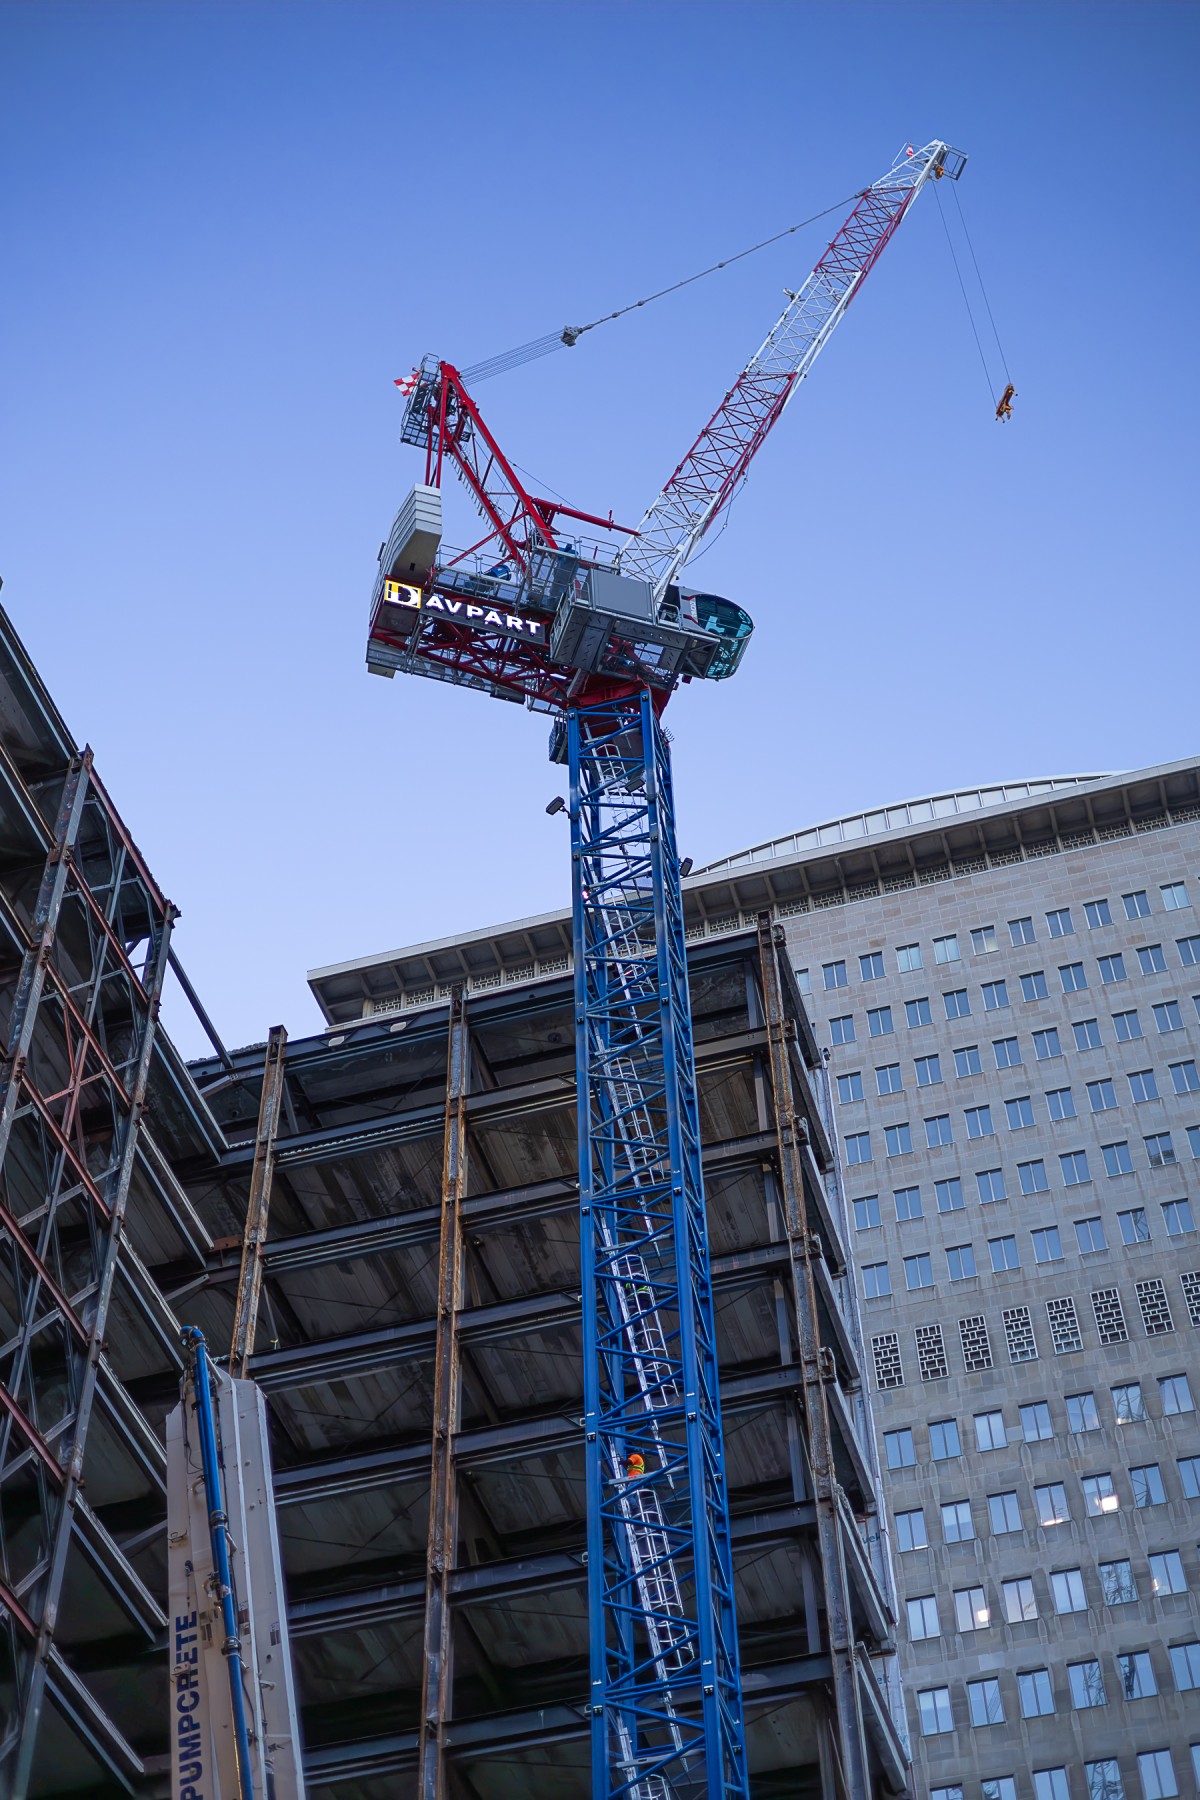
599 634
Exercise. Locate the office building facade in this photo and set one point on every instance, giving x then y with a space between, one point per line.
1013 1027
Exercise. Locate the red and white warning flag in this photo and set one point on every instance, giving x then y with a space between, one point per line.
408 383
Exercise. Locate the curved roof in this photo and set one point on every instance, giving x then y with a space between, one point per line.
897 818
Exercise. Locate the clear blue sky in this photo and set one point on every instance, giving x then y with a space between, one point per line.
229 226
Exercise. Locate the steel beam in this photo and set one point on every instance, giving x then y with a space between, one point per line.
400 1231
245 1318
526 1438
507 1734
357 1353
480 1212
436 1672
364 1609
819 1377
356 1138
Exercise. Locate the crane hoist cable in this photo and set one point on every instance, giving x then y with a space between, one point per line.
1003 403
983 290
570 335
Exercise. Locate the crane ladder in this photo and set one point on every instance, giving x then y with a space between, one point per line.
665 1689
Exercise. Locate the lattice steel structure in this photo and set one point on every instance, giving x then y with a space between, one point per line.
92 1099
665 1692
708 476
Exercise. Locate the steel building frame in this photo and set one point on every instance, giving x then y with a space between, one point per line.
85 937
369 1149
365 1105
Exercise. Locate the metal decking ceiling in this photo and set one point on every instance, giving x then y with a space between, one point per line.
348 1368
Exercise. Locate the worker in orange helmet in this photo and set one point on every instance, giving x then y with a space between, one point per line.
635 1465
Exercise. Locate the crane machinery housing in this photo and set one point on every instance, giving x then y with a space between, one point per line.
599 634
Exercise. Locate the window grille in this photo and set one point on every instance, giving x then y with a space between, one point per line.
1018 1332
1191 1294
889 1370
931 1353
1156 1314
1110 1316
976 1344
1064 1325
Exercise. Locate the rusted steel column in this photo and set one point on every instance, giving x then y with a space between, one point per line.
447 1397
817 1368
245 1319
37 981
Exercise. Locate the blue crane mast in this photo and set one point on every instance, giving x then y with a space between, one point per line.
599 635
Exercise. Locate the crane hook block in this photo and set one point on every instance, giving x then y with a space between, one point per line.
1004 410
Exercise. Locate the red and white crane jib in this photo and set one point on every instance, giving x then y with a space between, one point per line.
706 478
553 584
443 420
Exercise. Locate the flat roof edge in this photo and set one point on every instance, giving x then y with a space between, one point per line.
731 870
481 935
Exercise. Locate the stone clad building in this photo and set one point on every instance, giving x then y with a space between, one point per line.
1008 983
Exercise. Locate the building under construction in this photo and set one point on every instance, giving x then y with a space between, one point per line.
127 1183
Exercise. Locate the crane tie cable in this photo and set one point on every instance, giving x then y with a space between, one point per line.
571 334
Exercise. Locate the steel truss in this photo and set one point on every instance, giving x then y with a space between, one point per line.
665 1700
81 1031
704 482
